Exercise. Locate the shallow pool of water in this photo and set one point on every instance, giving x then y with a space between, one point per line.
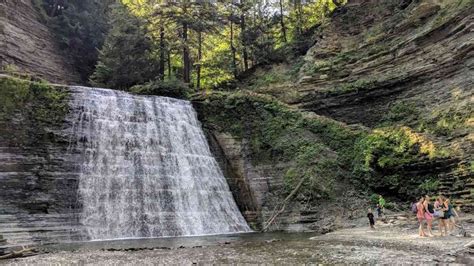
177 242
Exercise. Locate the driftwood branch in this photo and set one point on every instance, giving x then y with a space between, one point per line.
26 252
283 205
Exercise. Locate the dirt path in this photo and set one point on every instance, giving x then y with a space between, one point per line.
393 242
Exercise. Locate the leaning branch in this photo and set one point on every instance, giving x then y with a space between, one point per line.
283 205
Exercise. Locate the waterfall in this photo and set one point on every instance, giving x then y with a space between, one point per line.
146 168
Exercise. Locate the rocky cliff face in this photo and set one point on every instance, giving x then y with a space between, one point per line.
401 63
38 190
401 74
28 46
288 170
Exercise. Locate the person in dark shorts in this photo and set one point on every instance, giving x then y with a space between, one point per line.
379 211
370 215
444 219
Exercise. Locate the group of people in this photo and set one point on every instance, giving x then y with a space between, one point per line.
440 210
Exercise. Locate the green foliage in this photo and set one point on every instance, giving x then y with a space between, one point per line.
80 27
267 78
316 149
381 155
219 41
44 103
429 186
126 58
358 85
390 147
13 95
445 122
374 199
171 88
401 111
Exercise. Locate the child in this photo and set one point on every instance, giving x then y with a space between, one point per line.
370 215
379 211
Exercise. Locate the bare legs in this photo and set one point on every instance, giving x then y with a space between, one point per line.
429 226
421 232
443 224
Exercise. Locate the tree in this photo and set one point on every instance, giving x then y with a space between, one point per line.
80 27
127 57
282 21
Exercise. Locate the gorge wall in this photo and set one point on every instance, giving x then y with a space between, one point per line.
398 75
39 176
381 103
27 45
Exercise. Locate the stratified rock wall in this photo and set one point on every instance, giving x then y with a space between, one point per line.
38 174
375 64
398 63
393 63
28 46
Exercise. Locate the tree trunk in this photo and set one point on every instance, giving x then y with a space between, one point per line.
161 67
298 13
198 67
282 22
232 48
169 64
186 59
242 36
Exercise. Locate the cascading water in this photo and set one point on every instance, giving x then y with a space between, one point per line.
147 170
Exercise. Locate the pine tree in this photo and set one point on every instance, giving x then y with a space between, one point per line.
126 58
80 27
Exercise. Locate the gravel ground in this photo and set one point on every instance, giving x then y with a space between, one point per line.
394 242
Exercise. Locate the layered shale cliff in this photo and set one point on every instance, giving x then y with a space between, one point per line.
27 45
38 173
381 103
397 75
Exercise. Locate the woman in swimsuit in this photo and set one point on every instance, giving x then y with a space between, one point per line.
420 214
444 219
429 211
438 205
451 214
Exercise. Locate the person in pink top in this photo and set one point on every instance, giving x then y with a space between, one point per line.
420 214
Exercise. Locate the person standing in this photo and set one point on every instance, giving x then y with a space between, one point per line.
438 206
429 211
420 214
444 219
451 223
381 204
370 215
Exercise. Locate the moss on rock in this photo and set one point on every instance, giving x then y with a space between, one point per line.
31 110
316 149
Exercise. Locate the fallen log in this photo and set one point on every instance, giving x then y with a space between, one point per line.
283 205
26 252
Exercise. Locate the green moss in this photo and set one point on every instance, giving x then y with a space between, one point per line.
13 95
445 122
358 85
334 65
170 88
40 102
429 186
401 111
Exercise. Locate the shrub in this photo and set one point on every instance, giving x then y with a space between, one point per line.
171 88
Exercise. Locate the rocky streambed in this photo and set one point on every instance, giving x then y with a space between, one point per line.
393 241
